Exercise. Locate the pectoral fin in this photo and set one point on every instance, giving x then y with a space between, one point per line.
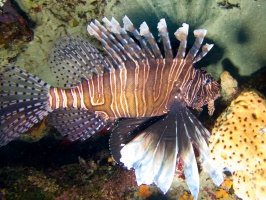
76 123
152 146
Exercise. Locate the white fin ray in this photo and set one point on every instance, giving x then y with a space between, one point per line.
128 25
181 34
132 50
205 49
145 31
162 27
199 34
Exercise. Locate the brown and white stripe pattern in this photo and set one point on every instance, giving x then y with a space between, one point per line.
141 82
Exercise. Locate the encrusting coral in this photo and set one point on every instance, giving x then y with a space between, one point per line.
144 191
238 144
229 86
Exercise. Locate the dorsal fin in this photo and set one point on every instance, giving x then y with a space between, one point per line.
162 27
128 26
74 58
122 48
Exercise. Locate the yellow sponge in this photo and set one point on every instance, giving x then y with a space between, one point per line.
238 142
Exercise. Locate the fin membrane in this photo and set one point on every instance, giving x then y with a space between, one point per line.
76 123
23 102
74 58
151 146
132 127
152 152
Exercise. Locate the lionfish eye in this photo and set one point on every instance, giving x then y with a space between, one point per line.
207 80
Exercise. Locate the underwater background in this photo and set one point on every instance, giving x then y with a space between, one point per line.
43 165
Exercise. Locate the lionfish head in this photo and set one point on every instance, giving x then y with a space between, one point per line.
209 92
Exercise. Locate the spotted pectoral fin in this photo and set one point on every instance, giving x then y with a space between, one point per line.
77 123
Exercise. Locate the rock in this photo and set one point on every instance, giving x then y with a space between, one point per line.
228 86
13 27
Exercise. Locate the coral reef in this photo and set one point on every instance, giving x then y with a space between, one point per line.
14 33
208 190
52 19
238 144
228 86
186 196
13 27
225 192
37 132
94 177
144 191
69 181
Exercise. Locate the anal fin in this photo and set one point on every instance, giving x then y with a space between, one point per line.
76 123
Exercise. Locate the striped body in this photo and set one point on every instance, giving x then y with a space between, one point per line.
135 91
149 93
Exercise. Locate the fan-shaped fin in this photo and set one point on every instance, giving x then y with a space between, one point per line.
74 58
151 147
23 102
76 123
152 151
126 130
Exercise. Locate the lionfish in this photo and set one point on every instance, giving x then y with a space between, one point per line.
143 93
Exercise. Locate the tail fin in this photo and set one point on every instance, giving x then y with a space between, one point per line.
23 102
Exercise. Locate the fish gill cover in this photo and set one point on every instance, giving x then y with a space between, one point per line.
135 82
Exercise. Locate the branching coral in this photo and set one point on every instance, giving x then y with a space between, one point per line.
238 143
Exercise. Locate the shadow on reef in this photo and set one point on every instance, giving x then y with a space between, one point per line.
14 29
256 80
15 5
234 71
242 35
49 152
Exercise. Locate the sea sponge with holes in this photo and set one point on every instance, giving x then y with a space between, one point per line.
238 143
